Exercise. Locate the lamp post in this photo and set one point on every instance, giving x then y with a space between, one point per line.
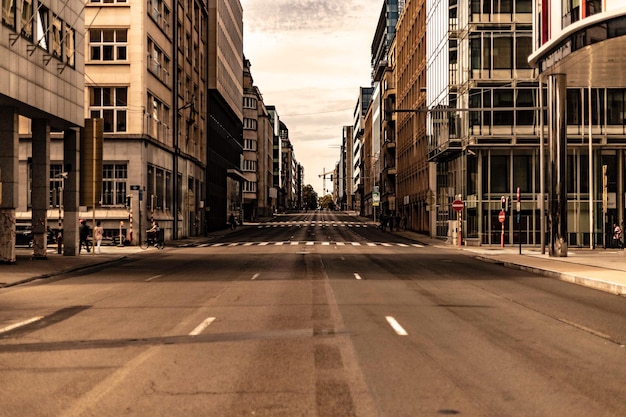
62 176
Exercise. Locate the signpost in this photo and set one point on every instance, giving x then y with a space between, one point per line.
502 218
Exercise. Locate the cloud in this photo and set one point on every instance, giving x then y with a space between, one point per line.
296 15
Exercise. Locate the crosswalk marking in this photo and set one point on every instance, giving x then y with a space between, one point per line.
306 243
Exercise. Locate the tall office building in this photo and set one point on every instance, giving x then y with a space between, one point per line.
41 89
225 138
579 52
483 130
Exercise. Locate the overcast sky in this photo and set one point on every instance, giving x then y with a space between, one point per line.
309 58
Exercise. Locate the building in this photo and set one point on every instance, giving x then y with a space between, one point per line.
225 137
149 84
482 126
258 151
415 175
578 48
358 161
41 92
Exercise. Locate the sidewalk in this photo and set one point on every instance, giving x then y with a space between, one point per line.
602 269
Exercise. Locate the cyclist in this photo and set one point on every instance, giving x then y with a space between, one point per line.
153 233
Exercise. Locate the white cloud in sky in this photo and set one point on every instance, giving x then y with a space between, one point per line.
309 58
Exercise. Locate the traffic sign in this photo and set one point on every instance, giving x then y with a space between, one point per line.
458 205
135 187
502 216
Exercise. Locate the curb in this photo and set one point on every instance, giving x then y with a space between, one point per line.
596 284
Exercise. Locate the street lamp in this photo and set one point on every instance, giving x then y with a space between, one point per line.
63 177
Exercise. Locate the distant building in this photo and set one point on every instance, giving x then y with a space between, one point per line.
358 150
225 137
257 151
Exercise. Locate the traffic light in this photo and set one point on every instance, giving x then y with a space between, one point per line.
128 201
503 203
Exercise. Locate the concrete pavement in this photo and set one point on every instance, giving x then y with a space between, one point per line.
602 269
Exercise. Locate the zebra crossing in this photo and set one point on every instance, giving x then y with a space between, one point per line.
311 223
307 243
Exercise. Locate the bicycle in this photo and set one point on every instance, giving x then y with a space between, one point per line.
153 239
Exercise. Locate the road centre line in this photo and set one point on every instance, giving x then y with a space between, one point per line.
20 324
206 323
396 326
255 276
357 276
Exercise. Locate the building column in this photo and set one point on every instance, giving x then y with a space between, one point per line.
9 179
557 172
71 158
40 186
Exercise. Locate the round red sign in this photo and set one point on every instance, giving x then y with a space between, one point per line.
501 216
458 205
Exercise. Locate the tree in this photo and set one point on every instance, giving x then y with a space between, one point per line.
327 202
309 197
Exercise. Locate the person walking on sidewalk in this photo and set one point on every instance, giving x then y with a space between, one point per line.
98 234
232 221
83 235
617 236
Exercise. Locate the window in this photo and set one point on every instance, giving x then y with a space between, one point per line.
114 178
56 185
55 37
499 174
158 63
27 19
616 104
69 47
111 104
250 124
523 6
158 117
8 13
249 145
108 44
502 53
249 103
160 13
523 49
108 1
249 187
43 26
249 165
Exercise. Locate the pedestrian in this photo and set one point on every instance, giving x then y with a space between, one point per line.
617 236
390 217
403 222
83 234
98 234
231 221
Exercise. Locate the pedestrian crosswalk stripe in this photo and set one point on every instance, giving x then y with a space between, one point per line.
308 243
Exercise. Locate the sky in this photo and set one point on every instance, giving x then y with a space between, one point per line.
309 58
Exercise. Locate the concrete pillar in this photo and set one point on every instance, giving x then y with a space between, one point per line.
71 156
9 178
40 186
557 172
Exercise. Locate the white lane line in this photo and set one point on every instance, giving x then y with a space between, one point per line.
255 276
309 243
396 326
356 244
218 244
386 244
264 243
20 324
339 244
417 245
325 243
357 276
153 278
294 243
279 243
371 244
248 244
206 323
204 245
403 245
